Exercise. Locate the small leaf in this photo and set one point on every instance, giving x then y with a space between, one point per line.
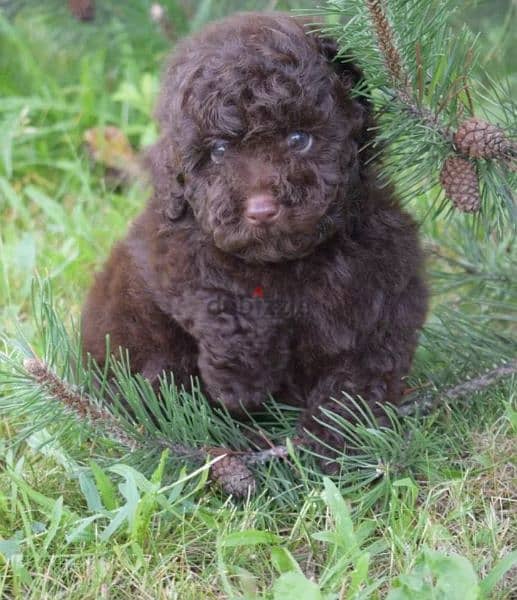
283 560
55 521
329 537
129 490
38 527
106 488
42 441
249 537
406 482
437 575
90 493
247 582
50 207
295 586
359 575
9 548
157 476
175 493
120 516
345 535
24 257
129 473
456 578
497 573
46 504
77 533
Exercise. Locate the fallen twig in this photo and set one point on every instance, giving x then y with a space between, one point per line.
231 470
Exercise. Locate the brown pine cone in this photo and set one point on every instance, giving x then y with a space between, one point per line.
234 477
460 183
478 139
83 10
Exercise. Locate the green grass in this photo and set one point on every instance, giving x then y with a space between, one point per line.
445 514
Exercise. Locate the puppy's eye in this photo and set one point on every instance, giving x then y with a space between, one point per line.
218 150
299 141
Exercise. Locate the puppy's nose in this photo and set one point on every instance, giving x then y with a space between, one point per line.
261 209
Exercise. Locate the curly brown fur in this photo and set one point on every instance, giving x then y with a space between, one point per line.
326 297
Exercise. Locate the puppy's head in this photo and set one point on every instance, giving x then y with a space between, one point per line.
260 137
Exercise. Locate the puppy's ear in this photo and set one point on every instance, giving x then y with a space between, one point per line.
354 82
167 178
349 73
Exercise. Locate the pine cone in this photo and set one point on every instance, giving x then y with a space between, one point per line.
461 185
233 476
478 139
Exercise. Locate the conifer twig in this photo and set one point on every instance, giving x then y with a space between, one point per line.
263 456
80 404
230 471
85 408
388 47
398 73
424 404
467 267
460 137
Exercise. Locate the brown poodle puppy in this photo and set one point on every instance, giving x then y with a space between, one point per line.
268 260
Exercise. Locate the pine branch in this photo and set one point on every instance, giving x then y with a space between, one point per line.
469 268
422 70
387 45
400 78
264 456
424 404
79 404
483 381
230 470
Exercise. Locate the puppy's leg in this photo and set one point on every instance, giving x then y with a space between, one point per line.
243 354
374 389
374 370
121 306
319 430
241 371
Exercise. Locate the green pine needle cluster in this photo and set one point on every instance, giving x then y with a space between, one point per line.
425 80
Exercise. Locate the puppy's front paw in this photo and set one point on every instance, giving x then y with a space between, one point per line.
238 400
